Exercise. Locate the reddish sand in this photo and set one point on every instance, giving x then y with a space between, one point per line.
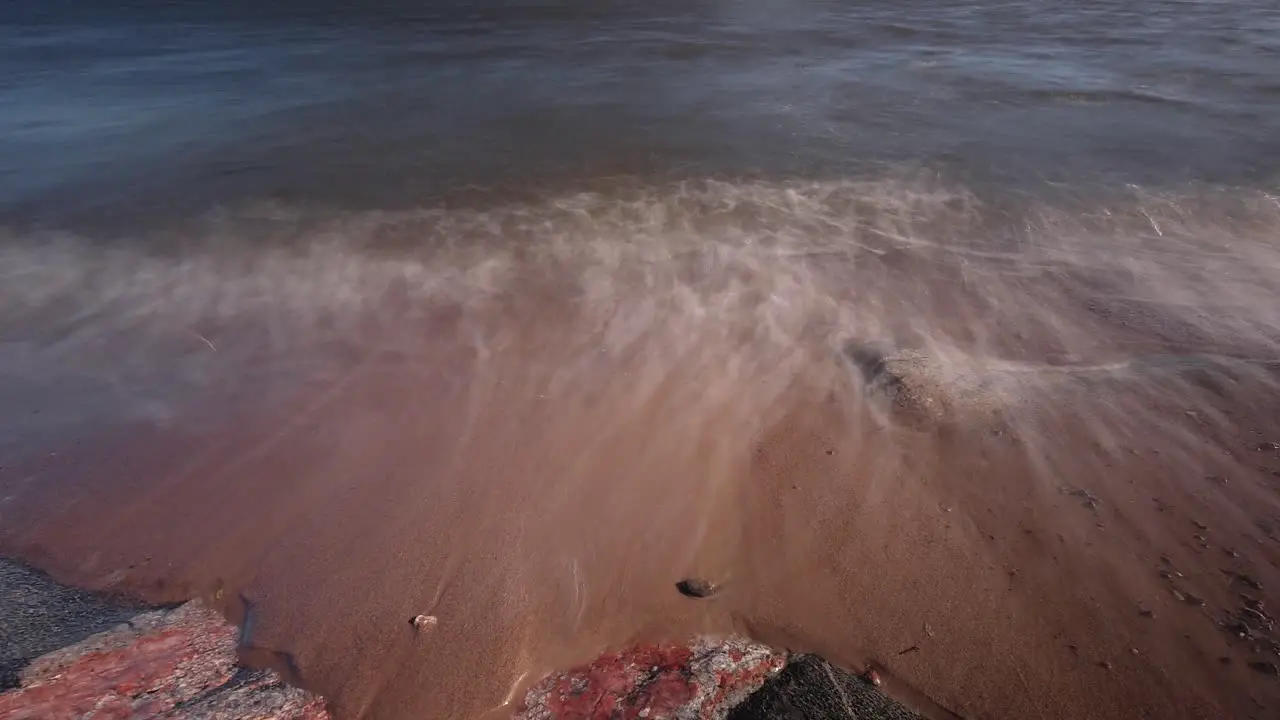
1057 544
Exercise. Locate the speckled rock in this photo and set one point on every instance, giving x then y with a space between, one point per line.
178 663
701 681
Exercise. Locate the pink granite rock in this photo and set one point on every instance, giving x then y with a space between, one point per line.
702 681
177 663
181 664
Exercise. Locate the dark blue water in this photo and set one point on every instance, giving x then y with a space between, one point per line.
147 110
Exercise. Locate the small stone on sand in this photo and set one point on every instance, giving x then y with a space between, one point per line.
423 622
695 588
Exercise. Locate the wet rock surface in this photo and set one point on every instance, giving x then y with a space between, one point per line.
40 616
166 663
703 681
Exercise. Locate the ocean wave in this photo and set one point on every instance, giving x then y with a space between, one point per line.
756 276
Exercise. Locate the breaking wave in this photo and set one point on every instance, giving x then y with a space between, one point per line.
740 290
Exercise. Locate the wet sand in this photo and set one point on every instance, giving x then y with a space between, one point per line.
1024 600
1060 491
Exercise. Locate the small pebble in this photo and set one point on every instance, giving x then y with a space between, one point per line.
1264 447
1146 613
873 677
423 622
1264 667
695 588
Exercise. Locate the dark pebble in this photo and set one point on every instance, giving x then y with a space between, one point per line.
694 588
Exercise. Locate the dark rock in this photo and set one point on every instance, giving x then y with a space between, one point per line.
810 688
1265 667
695 588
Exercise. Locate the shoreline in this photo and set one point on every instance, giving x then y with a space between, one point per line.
66 651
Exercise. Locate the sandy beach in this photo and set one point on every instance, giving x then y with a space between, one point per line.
936 339
1072 514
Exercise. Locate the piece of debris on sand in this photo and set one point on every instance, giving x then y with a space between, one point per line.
703 680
